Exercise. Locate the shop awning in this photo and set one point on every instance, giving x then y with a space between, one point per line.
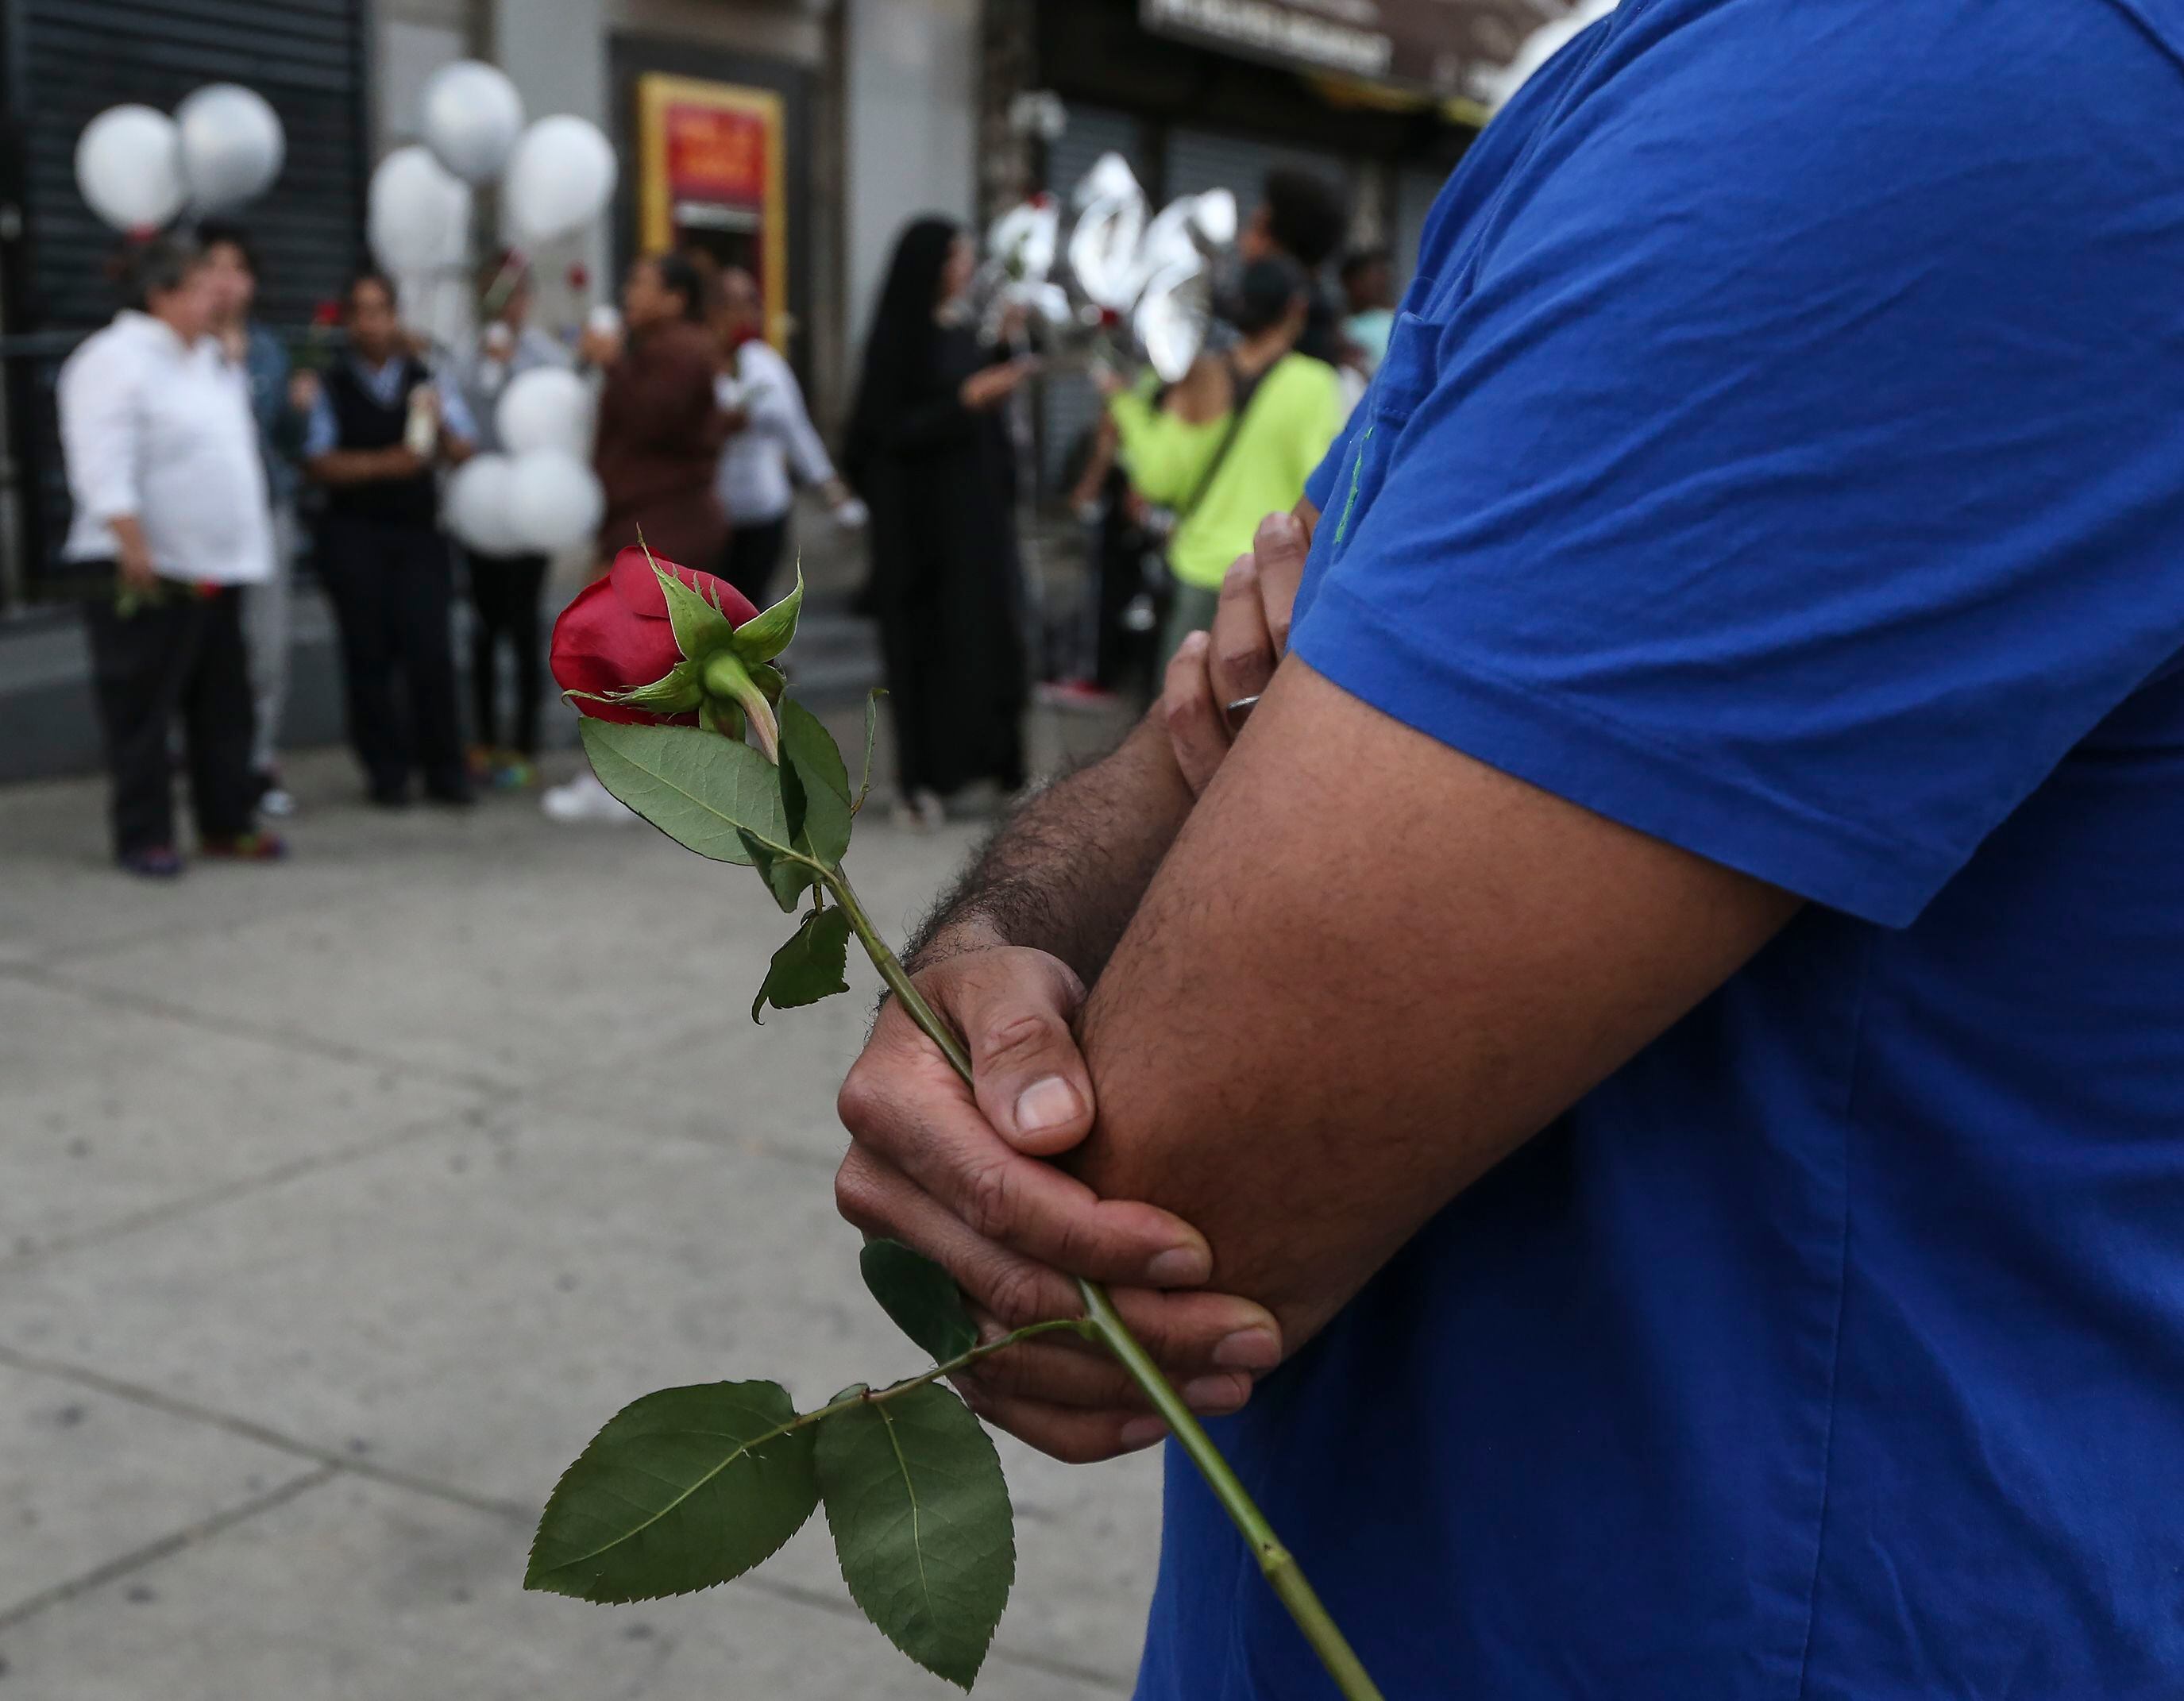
1454 49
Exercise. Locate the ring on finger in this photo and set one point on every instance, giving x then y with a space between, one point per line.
1236 713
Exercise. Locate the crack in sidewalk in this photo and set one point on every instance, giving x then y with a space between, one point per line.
168 1545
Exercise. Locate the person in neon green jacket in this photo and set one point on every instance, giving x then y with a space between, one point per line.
1178 450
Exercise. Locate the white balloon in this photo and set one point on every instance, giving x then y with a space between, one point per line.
545 408
420 216
1215 219
232 145
480 509
554 501
128 166
559 177
471 116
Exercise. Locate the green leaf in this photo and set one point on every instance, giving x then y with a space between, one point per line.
700 629
811 967
678 694
787 879
922 1297
872 733
920 1512
821 829
764 636
702 791
682 1490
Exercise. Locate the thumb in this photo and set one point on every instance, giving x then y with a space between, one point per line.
1026 1072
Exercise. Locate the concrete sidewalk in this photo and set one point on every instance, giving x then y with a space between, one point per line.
341 1202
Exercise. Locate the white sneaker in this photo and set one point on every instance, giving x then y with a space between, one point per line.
584 799
277 804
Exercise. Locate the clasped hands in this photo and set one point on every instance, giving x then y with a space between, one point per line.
966 1175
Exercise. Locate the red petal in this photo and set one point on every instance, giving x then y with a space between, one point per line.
599 647
638 586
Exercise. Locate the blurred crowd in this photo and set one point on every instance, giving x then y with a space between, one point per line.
205 457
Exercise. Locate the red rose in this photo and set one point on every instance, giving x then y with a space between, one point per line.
616 635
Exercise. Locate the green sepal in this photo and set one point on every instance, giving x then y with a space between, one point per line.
813 965
678 694
922 1297
701 630
723 717
764 636
770 681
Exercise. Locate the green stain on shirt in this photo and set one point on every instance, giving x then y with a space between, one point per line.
1356 471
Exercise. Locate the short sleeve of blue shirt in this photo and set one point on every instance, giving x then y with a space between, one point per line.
1795 487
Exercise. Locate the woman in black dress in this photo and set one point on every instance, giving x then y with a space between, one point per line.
929 451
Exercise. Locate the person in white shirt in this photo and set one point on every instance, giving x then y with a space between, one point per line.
161 448
777 440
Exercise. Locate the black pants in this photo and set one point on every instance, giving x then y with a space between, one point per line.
505 594
392 589
181 655
753 556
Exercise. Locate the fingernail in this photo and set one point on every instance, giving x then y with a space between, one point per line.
1196 642
1214 1394
1283 526
1180 1267
1248 1349
1142 1432
1047 1104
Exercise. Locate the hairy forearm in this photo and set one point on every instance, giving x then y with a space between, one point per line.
1065 873
1370 968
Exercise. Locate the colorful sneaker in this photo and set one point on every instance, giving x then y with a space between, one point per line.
257 845
151 862
514 773
482 762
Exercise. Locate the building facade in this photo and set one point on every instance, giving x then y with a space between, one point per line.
795 136
792 136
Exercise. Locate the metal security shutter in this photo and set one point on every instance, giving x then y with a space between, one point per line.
1199 160
1070 405
67 60
73 58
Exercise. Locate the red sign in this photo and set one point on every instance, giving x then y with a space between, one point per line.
716 153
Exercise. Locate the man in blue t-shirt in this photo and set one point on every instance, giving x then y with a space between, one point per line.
1662 1048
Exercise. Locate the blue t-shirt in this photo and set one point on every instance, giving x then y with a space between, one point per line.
1782 453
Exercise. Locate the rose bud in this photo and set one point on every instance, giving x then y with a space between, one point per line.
618 655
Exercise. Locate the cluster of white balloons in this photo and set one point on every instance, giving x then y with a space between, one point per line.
556 176
539 494
137 167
